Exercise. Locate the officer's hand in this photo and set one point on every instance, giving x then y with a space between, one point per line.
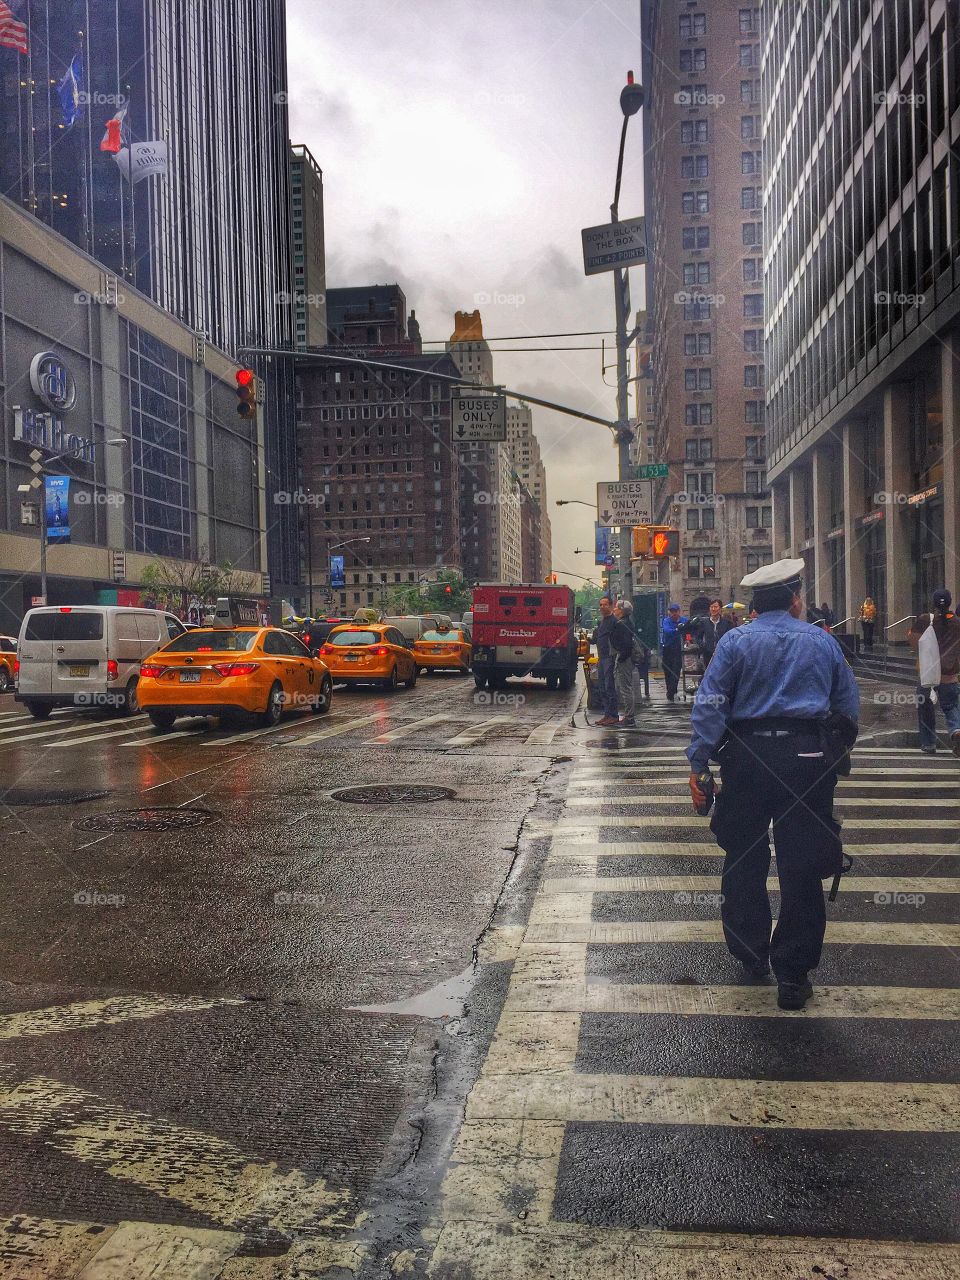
696 795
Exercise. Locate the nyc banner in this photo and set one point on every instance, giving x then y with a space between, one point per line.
57 507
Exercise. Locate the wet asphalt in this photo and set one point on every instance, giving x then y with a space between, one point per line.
254 1031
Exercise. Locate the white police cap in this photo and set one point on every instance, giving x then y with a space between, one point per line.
780 573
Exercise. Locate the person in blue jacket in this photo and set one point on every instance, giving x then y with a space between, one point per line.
671 648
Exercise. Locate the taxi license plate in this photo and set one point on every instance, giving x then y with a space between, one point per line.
189 677
352 657
80 668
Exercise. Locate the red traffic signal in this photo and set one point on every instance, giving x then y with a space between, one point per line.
665 542
246 393
448 590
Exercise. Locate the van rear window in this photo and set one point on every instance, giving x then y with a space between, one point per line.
64 626
508 599
533 599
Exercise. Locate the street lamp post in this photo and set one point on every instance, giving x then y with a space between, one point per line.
631 100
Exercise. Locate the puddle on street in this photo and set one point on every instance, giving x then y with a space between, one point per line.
445 1000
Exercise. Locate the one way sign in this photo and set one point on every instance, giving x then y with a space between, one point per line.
624 502
478 417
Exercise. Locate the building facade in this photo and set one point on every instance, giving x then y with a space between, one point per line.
209 242
528 465
309 254
381 479
704 185
861 228
187 481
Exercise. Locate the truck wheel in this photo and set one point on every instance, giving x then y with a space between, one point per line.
480 681
552 681
567 679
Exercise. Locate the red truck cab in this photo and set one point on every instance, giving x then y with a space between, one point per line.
524 629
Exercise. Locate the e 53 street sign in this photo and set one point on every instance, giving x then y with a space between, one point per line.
624 502
478 418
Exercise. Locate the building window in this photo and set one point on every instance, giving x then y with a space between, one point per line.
697 379
694 131
753 560
696 273
693 566
756 481
695 202
696 311
753 340
697 344
753 305
749 127
698 450
692 24
752 272
694 166
698 482
756 448
750 161
753 411
749 22
751 198
749 55
696 237
693 518
750 92
698 415
752 375
752 234
759 517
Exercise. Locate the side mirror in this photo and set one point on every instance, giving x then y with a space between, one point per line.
314 653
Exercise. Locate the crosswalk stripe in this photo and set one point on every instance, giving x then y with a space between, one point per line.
841 801
473 733
545 733
615 771
248 734
711 884
691 819
333 730
83 1014
145 1250
27 721
596 933
403 730
109 733
80 729
689 849
605 785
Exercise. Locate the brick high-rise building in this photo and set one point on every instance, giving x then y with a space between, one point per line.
377 460
528 465
704 184
861 227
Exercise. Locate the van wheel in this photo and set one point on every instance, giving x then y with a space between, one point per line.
162 720
131 700
39 710
323 699
271 715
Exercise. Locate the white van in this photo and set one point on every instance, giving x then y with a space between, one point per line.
87 655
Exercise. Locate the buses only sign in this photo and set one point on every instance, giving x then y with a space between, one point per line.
478 418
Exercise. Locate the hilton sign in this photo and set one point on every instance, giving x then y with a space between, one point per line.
53 384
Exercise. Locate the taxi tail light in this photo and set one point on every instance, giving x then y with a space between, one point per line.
235 668
380 651
326 650
113 671
151 670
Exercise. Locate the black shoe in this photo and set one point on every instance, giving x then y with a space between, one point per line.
794 995
755 970
929 751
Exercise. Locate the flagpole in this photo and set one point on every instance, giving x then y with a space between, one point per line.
31 150
133 207
86 145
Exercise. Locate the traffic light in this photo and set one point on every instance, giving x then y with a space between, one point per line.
551 579
640 541
448 590
665 542
246 393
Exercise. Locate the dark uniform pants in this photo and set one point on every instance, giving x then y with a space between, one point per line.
672 658
784 780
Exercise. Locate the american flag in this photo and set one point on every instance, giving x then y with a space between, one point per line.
13 34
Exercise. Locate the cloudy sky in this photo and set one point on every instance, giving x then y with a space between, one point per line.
463 147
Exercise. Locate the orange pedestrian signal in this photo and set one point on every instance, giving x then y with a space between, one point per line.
246 393
665 542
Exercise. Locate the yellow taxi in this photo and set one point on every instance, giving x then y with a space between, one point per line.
217 671
370 653
446 649
8 663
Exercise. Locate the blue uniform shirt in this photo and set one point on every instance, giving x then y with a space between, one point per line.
671 633
778 666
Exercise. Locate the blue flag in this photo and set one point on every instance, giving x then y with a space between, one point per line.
69 90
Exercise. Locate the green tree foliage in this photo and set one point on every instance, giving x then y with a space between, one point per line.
172 584
432 596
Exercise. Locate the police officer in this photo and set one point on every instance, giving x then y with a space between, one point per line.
761 710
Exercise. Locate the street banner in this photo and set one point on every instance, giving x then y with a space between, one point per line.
338 577
142 160
603 549
57 507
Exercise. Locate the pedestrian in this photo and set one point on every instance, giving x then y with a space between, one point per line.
944 691
671 648
769 709
867 617
605 663
829 617
630 653
711 628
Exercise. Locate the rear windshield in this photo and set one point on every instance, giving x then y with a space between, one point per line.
212 642
64 626
440 635
354 637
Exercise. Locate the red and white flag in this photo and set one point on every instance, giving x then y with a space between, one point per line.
13 33
112 140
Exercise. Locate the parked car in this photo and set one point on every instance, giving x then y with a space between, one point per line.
8 663
87 655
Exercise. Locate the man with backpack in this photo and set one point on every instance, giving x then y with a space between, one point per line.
939 672
631 654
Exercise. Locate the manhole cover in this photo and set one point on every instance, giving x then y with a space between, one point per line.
36 795
146 820
393 793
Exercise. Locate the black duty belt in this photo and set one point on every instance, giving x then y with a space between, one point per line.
775 726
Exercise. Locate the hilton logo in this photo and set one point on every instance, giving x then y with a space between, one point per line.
52 382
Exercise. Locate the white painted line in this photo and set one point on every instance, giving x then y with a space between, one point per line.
403 730
149 1250
593 933
603 784
142 727
333 730
597 821
247 735
844 802
545 733
474 732
83 1014
711 884
110 733
705 849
